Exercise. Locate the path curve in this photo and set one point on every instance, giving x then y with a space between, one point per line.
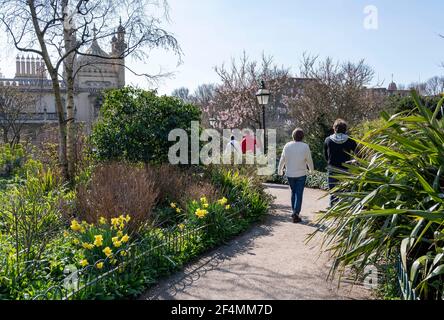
270 262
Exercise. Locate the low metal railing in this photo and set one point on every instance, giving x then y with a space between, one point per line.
155 251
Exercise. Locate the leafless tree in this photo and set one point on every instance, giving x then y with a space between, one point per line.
182 93
203 94
59 31
15 105
202 97
332 90
335 90
234 102
434 86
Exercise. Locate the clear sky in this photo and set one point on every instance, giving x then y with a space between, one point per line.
211 32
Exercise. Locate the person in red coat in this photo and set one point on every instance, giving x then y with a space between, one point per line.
249 143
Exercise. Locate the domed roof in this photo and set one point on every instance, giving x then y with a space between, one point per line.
392 87
93 54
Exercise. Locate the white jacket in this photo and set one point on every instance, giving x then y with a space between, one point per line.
296 158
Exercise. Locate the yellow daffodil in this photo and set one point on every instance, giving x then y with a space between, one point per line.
76 241
200 213
75 226
227 207
107 251
99 265
123 253
178 210
125 238
87 246
128 218
223 201
117 244
103 221
203 200
84 263
65 233
206 205
181 226
98 242
120 234
173 205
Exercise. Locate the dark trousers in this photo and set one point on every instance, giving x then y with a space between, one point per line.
332 182
297 186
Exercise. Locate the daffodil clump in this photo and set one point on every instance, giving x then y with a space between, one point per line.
203 209
103 244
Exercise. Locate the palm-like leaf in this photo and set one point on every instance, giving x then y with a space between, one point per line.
392 201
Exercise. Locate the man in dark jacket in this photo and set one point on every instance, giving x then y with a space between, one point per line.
337 150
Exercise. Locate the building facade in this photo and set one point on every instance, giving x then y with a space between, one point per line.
96 71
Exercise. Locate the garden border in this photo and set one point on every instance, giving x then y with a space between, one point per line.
136 252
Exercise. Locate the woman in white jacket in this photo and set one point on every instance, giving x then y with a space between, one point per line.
297 161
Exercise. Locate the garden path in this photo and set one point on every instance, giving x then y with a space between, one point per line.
270 262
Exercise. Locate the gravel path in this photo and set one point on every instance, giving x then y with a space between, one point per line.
270 262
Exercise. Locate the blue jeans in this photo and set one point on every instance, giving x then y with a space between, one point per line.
297 186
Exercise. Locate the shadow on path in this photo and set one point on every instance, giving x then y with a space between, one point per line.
269 262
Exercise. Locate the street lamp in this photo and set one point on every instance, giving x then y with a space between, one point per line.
263 97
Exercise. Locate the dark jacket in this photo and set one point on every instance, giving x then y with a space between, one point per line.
337 148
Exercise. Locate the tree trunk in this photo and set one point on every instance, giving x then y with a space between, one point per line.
69 78
71 128
62 127
5 136
53 72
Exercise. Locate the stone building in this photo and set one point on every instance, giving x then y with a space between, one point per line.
96 70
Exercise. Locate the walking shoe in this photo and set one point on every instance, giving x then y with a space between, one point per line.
297 219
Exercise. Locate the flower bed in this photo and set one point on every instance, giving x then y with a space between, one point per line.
117 256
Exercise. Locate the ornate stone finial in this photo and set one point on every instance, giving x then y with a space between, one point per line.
121 29
95 31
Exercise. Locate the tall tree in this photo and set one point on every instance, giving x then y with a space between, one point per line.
332 90
234 103
59 31
202 97
182 93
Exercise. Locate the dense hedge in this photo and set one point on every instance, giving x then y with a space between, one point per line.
134 125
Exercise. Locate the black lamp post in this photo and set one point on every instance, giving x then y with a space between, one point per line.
263 97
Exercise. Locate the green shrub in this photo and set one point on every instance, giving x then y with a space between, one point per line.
398 104
30 218
134 125
361 130
315 180
11 159
392 201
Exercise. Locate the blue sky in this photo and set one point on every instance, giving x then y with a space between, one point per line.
211 32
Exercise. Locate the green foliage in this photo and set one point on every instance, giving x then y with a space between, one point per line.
392 201
243 192
135 124
30 219
398 104
112 266
11 159
361 130
315 180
